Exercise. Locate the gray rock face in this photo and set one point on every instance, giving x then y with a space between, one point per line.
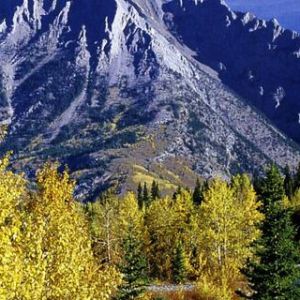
116 87
258 59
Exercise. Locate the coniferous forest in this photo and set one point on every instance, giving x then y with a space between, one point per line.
234 239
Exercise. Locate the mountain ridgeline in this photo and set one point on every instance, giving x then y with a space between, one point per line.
146 89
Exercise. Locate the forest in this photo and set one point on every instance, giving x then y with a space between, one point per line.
227 239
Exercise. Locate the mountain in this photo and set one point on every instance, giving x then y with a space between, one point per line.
286 11
258 59
146 89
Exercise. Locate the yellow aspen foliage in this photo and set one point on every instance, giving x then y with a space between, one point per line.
103 215
185 226
130 217
248 208
12 188
110 220
218 227
228 216
60 262
160 221
183 210
208 288
34 278
169 222
294 202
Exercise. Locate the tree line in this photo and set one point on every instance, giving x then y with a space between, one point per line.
231 238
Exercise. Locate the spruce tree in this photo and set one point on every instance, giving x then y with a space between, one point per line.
178 192
273 272
146 196
288 182
257 179
271 192
140 196
179 266
155 193
133 268
198 195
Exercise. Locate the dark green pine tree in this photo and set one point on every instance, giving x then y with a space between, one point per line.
146 195
177 192
133 268
140 196
271 191
288 182
257 179
155 193
198 194
273 273
178 265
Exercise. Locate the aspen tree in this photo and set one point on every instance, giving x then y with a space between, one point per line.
61 243
12 189
130 217
160 222
104 225
227 222
248 210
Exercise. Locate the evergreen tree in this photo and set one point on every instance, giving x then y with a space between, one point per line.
179 265
198 194
178 192
140 196
133 268
288 182
146 196
257 179
273 273
271 191
155 193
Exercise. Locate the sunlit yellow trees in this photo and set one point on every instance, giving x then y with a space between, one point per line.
110 220
249 215
47 252
169 222
12 188
185 227
59 245
160 221
228 216
219 232
130 218
103 216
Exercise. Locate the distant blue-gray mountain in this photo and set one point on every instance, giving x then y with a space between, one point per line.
286 11
162 89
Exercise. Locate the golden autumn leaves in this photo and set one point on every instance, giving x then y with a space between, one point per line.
52 247
45 246
215 237
229 217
